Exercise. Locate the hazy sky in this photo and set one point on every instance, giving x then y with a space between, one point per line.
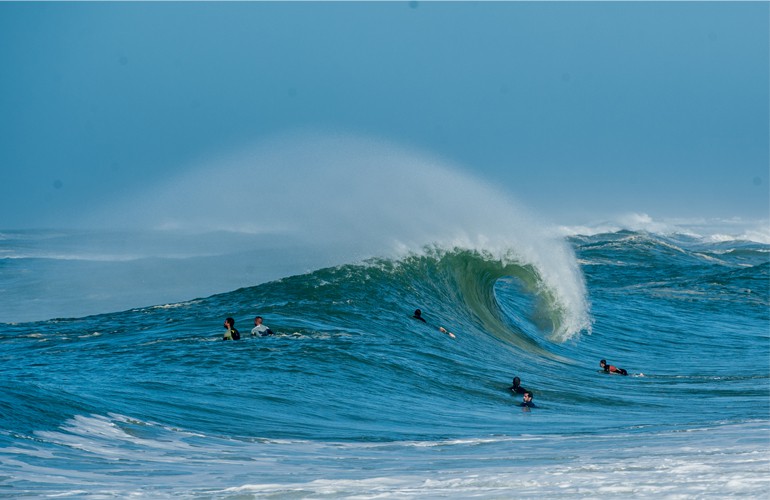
581 111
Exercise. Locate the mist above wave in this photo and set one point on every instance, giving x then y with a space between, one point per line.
328 189
355 198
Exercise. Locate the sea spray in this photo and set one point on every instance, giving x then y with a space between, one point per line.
358 198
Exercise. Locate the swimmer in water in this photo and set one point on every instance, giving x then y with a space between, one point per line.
516 388
527 400
260 329
232 333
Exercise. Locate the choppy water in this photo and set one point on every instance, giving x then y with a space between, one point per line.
354 398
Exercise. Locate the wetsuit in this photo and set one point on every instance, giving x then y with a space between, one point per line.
614 369
261 330
516 388
232 334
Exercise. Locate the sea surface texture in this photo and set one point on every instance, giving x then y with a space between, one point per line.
352 397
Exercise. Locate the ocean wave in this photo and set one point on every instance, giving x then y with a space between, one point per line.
466 284
151 402
703 230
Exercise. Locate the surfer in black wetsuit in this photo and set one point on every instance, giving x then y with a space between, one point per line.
418 316
232 333
516 388
527 400
611 369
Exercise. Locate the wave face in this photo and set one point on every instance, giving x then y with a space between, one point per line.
353 397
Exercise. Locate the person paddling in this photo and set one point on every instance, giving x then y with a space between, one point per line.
611 369
418 316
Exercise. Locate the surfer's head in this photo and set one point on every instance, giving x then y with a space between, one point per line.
229 323
516 381
603 363
417 313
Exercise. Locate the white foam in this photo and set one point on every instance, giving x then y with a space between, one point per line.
724 460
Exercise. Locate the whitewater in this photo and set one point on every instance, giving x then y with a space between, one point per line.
116 382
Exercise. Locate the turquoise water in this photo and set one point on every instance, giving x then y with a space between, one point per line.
354 398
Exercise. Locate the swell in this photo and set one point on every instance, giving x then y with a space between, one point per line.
350 362
726 274
347 357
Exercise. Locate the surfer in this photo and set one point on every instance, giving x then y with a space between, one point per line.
611 369
516 388
260 329
418 316
232 333
526 401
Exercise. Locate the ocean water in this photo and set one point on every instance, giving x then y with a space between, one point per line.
110 390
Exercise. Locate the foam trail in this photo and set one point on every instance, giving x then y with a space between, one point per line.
358 197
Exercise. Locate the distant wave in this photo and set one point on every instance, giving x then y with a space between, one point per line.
706 230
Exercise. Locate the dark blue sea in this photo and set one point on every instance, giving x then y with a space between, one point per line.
116 384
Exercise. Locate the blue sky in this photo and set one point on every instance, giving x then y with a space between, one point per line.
580 111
